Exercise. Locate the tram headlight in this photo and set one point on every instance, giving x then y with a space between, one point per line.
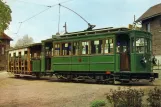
143 60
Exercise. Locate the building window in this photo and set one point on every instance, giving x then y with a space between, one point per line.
148 27
2 50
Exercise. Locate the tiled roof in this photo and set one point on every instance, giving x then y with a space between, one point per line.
4 36
151 12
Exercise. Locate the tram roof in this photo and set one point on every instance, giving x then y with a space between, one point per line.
26 46
94 31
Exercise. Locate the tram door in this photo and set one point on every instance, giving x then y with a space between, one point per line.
48 55
123 48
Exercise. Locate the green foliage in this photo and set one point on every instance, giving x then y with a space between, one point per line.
154 97
5 16
98 103
126 97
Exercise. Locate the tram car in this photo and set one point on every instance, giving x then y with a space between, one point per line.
105 55
21 59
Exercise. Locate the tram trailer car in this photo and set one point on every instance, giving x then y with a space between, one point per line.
105 55
21 59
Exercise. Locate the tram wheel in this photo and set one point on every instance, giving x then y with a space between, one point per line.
17 76
37 75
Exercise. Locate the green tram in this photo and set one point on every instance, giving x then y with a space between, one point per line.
105 55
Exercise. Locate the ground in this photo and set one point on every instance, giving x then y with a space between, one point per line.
29 92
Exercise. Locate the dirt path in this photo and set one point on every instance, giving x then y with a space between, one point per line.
29 92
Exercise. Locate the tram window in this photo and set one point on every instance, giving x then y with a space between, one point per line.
118 49
47 51
66 49
35 55
25 54
52 51
14 55
57 49
19 54
108 46
96 47
132 45
85 48
140 45
146 45
75 48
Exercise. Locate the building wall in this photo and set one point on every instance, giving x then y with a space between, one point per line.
155 29
4 45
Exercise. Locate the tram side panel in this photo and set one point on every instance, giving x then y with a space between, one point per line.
18 61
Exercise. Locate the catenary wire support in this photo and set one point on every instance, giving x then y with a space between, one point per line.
90 27
59 19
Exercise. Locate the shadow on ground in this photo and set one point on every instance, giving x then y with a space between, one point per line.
54 79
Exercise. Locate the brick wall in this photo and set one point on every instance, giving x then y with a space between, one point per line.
155 27
3 57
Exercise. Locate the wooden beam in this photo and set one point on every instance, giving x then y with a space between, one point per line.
8 59
28 60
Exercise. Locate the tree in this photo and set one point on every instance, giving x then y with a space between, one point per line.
25 40
5 16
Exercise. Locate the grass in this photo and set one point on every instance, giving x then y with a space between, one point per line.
98 103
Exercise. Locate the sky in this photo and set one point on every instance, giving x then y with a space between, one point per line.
102 13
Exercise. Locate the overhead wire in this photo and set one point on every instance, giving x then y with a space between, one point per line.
48 7
31 3
18 28
35 15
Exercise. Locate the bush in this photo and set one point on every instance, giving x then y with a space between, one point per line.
98 103
154 97
128 97
125 97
